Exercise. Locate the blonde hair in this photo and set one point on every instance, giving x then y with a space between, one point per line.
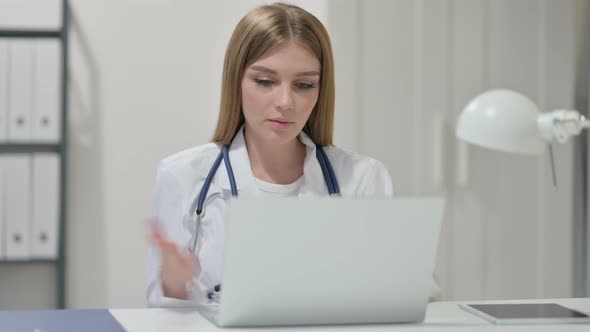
260 30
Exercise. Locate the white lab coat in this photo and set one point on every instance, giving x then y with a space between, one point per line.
181 176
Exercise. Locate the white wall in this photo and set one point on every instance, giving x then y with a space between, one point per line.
146 81
417 63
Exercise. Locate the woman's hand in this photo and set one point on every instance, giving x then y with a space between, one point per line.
176 269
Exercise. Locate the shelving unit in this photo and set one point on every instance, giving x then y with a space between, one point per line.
60 148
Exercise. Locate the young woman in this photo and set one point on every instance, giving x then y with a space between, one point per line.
276 116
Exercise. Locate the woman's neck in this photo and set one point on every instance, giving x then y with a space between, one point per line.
275 163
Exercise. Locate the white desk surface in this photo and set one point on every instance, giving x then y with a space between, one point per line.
441 316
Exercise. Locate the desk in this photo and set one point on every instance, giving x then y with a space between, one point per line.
440 316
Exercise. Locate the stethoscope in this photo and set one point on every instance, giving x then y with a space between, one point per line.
327 171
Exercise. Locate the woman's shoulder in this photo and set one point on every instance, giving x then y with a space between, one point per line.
351 159
359 175
189 161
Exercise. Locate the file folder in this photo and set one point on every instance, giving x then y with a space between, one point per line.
20 88
31 14
82 320
46 93
46 199
4 90
17 180
2 214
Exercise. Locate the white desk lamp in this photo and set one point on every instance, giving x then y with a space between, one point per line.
507 121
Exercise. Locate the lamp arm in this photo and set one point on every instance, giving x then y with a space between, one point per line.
560 125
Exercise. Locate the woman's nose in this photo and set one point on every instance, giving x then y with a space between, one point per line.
284 99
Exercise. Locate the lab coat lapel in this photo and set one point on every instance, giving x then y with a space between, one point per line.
203 168
240 163
313 178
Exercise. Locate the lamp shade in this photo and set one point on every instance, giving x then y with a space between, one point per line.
502 120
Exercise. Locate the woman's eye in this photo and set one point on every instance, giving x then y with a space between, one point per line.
305 86
263 82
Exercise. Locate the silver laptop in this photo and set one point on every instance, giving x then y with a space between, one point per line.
328 261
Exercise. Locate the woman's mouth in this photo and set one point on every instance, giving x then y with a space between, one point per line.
280 123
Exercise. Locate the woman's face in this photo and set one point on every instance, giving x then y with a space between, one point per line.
279 91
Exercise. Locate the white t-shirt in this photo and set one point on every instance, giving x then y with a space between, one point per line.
278 190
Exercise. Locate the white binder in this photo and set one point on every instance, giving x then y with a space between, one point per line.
4 90
17 203
46 202
46 91
2 214
20 90
31 14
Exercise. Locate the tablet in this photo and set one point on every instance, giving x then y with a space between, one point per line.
526 313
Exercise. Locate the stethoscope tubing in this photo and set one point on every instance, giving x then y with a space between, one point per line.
325 165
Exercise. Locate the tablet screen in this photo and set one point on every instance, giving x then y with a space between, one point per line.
527 310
